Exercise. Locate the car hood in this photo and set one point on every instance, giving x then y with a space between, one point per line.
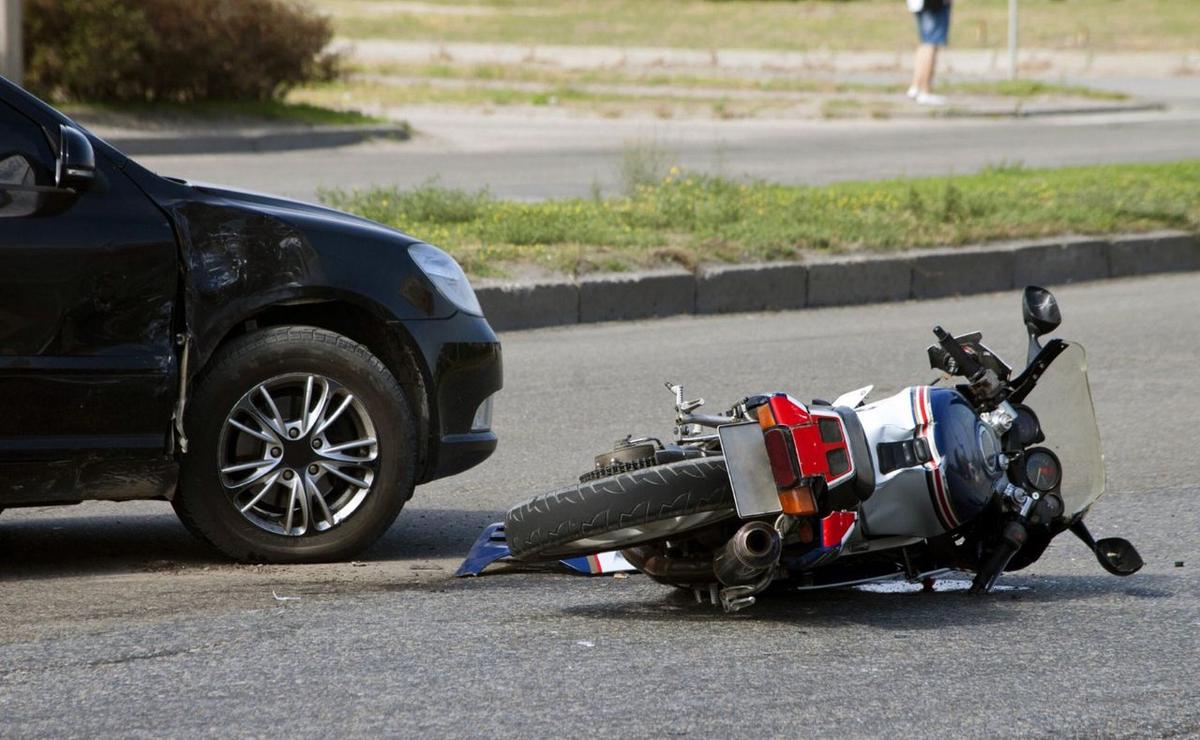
294 211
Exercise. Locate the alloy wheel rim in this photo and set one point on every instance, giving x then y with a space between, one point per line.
298 454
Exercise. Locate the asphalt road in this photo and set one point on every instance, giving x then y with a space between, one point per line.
534 158
115 623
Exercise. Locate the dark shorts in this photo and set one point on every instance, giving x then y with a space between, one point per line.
933 26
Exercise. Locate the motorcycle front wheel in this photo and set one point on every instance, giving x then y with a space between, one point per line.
621 511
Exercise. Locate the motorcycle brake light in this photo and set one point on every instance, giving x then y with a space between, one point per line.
798 501
781 453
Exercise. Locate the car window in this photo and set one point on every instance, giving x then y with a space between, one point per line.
15 169
24 161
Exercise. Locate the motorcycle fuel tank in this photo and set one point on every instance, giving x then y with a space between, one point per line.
950 462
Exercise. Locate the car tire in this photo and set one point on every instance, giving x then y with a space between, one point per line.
255 394
621 511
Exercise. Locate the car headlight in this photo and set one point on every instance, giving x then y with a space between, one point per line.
447 276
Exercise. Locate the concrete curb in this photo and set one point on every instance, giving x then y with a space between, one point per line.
1084 110
638 296
1019 111
927 273
256 140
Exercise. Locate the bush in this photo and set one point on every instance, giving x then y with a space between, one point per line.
173 50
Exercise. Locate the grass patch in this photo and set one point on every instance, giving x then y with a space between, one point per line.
234 112
612 93
692 219
1095 25
407 93
552 76
855 108
1031 89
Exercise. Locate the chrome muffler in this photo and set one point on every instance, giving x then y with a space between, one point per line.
752 551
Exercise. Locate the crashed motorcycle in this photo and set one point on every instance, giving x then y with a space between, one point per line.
976 476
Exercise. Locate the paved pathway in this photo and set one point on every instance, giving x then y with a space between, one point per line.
975 62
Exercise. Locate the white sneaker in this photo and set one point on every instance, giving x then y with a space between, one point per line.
930 99
913 92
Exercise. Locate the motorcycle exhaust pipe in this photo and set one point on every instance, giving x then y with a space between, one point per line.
751 551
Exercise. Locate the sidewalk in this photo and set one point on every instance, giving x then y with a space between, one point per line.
708 102
867 86
556 82
141 132
1037 63
236 139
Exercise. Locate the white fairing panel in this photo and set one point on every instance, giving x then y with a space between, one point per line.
902 503
853 398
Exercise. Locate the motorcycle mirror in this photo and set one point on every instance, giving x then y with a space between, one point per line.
1118 556
1041 311
1041 316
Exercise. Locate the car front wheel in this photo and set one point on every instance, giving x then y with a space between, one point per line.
302 448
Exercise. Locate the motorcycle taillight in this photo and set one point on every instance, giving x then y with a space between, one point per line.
782 454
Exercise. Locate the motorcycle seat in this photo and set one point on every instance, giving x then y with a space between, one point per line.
862 485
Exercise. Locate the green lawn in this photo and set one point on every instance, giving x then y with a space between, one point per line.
1146 25
226 112
689 220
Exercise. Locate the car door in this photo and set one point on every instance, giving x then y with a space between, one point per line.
88 282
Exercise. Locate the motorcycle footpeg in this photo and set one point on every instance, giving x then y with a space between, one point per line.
736 605
735 598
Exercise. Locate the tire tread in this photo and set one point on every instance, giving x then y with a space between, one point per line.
548 522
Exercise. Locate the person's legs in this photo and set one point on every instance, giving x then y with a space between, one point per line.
923 67
933 27
916 78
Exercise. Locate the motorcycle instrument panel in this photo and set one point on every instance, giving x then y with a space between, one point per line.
1042 470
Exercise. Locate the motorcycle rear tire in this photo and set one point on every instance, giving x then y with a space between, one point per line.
621 511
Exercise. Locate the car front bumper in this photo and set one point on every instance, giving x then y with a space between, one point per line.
464 369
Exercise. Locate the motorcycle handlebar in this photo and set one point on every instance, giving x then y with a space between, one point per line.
969 366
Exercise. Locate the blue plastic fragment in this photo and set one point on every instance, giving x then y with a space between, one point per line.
489 547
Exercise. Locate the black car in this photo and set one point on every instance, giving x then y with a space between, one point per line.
284 374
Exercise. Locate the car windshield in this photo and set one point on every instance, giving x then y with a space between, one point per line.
1062 401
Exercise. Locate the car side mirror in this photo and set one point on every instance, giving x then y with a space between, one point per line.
1041 316
76 166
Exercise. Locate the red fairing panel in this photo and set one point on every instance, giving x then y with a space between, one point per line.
819 436
836 527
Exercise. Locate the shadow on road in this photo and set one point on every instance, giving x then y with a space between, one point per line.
910 611
66 544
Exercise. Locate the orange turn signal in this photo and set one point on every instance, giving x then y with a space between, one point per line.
765 418
798 501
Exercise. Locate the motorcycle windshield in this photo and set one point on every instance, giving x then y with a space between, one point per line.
1062 401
